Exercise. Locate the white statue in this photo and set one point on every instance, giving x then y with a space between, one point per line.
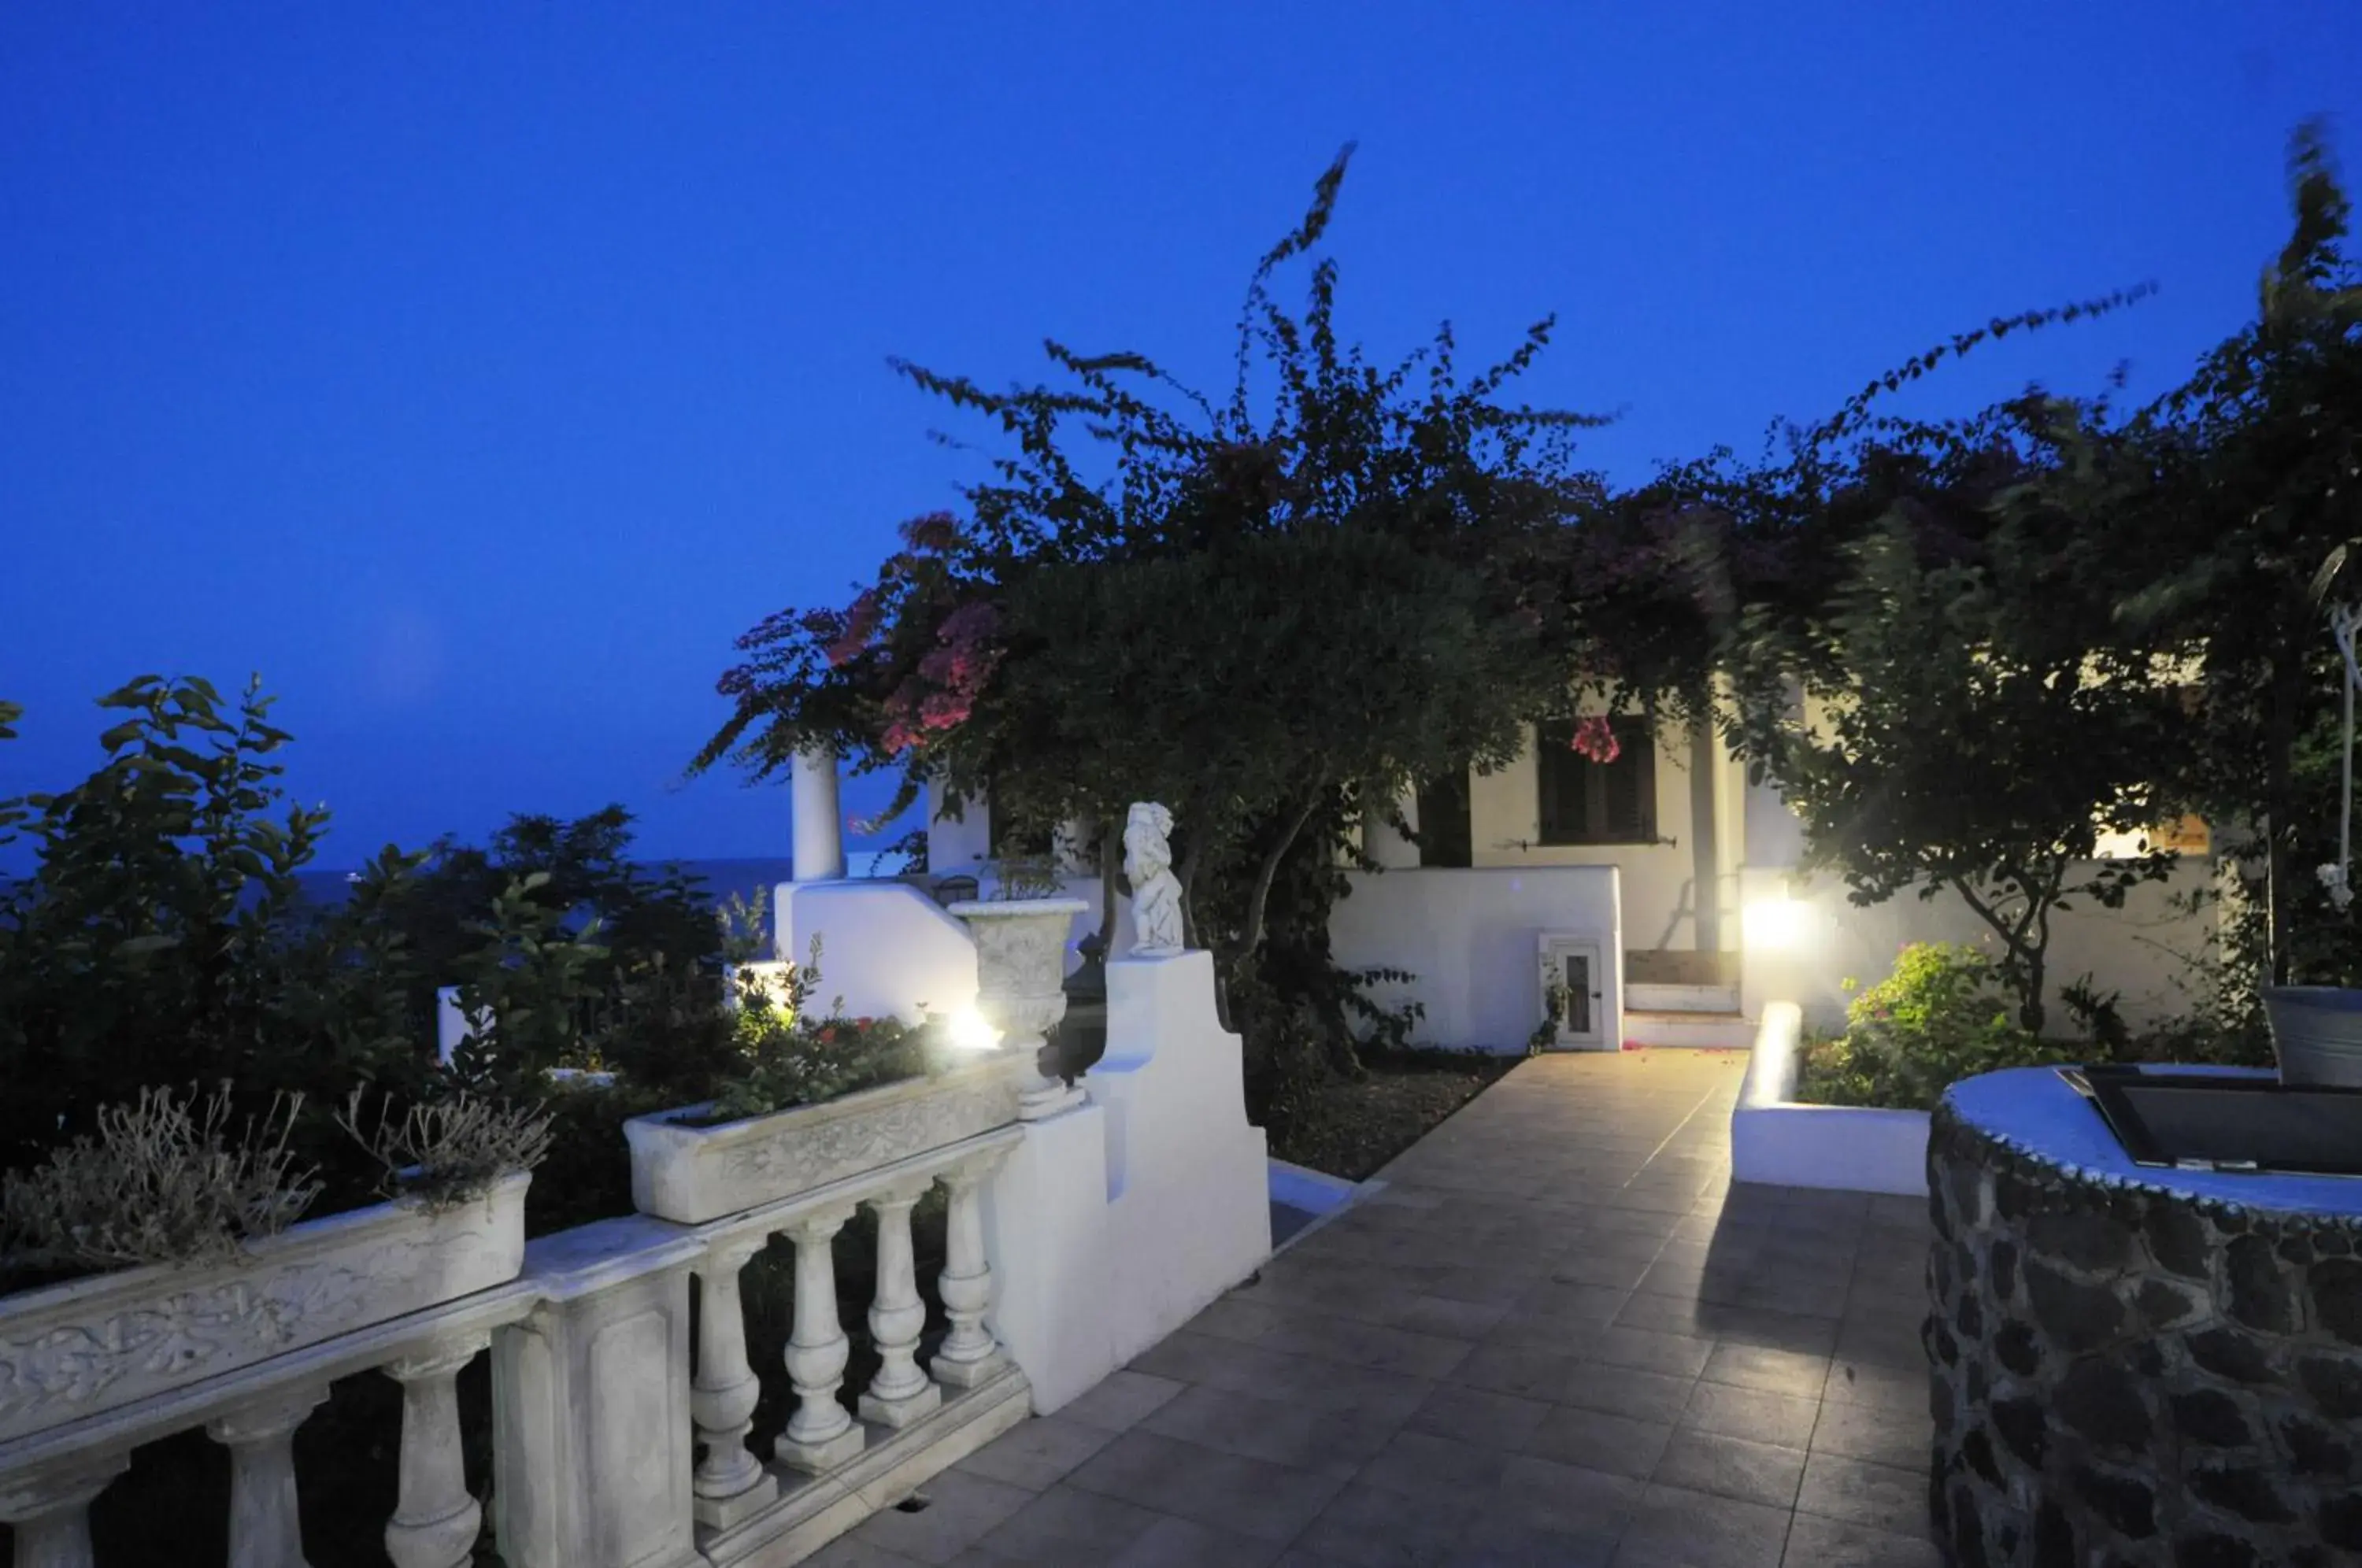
1155 891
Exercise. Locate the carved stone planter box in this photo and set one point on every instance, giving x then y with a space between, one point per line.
73 1350
690 1174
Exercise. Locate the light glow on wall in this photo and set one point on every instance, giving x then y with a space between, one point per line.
1773 923
967 1032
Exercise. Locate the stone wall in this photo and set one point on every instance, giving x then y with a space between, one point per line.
2123 1375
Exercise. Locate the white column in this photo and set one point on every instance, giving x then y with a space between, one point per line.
821 1435
49 1510
435 1522
969 1354
729 1479
265 1531
901 1393
819 831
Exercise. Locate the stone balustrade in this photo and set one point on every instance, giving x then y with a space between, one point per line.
607 1450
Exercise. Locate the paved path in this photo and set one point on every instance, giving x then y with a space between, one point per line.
1558 1337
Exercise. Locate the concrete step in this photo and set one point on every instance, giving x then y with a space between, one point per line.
1714 1031
1643 997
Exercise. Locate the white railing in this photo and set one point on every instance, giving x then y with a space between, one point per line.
598 1424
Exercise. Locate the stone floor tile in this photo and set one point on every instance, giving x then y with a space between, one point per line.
1574 1500
1859 1492
1560 1301
1594 1440
1122 1400
1479 1416
1256 1370
1037 1454
1815 1542
1627 1391
1067 1525
1781 1419
1381 1528
1522 1370
1889 1341
1675 1355
853 1551
1250 1497
1444 1470
1496 1543
960 1510
1680 1528
1482 1286
1185 1543
1439 1317
1774 1370
1762 1326
1731 1467
1874 1383
1281 1431
1582 1266
1883 1434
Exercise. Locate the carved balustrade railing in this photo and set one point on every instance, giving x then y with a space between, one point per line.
615 1442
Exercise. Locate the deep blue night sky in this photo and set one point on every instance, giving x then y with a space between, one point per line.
478 372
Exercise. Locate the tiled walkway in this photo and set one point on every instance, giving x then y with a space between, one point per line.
1558 1337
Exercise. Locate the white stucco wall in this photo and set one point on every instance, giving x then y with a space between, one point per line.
1468 936
886 947
1505 830
2139 950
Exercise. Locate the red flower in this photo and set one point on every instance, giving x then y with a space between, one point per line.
1595 738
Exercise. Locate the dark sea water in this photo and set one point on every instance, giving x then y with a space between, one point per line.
720 880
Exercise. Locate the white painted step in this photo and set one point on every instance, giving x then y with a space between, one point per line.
1642 998
1714 1031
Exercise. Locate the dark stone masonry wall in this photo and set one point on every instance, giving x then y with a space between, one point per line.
2122 1375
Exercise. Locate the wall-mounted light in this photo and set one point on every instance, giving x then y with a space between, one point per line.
1777 922
967 1032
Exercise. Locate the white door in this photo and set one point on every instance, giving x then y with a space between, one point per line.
1572 992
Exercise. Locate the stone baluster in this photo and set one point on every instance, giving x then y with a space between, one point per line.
821 1435
49 1510
901 1393
264 1527
969 1354
729 1481
435 1522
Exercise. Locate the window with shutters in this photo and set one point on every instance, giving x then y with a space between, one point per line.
1584 801
1444 838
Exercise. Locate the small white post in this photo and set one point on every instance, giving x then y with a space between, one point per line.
969 1352
821 1435
265 1530
818 830
728 1478
49 1510
901 1393
436 1523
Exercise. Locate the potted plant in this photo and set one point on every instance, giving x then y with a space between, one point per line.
815 1100
2317 1029
1020 970
202 1266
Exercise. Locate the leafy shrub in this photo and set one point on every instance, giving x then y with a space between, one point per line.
787 1057
164 1181
1943 1015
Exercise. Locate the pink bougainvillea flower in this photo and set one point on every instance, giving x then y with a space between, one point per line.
1595 738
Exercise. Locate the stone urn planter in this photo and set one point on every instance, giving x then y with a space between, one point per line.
88 1345
1021 972
2316 1034
690 1174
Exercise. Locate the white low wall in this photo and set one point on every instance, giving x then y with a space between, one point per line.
1468 936
1116 1222
1824 940
1777 1140
886 947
